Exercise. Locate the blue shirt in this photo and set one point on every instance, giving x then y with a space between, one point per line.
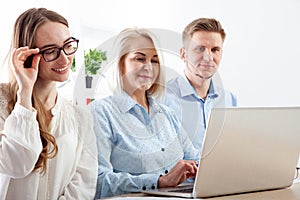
192 110
135 147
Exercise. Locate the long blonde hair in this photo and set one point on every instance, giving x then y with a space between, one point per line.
24 33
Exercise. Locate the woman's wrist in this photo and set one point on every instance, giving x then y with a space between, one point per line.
24 98
161 182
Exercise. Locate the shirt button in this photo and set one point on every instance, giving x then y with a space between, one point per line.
166 171
162 149
144 188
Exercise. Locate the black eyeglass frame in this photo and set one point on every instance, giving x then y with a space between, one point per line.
59 49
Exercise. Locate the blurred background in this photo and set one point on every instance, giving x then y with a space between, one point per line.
260 60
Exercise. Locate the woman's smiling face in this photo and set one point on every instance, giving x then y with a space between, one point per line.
141 66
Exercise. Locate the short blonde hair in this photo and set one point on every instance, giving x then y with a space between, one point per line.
123 47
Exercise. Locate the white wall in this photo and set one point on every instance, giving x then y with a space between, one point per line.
260 53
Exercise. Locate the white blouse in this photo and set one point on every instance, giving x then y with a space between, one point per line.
72 174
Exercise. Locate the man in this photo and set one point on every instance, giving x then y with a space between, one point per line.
193 95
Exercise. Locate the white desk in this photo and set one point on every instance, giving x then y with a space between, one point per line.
291 193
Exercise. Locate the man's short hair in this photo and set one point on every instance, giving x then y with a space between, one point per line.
202 24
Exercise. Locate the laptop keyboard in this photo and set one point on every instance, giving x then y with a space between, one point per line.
185 190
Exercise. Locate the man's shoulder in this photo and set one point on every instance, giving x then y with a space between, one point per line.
174 84
228 96
174 81
232 98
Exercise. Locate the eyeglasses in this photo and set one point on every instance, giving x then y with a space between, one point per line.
53 53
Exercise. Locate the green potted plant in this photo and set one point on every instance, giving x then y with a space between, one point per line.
73 67
92 62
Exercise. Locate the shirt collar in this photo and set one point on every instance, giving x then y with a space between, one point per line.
212 91
187 89
125 102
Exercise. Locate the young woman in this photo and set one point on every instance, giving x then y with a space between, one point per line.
47 146
139 141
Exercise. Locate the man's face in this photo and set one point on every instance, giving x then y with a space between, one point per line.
203 54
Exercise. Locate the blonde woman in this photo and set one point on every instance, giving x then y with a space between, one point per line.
139 141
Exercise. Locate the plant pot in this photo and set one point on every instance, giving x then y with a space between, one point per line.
88 81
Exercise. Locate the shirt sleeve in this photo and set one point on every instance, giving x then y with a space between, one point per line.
20 143
112 183
83 183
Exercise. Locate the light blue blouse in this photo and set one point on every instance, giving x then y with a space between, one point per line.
134 147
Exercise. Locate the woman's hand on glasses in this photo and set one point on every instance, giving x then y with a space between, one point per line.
26 77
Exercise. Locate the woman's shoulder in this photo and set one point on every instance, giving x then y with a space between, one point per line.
4 94
4 89
169 112
85 111
165 108
78 117
4 100
74 110
105 103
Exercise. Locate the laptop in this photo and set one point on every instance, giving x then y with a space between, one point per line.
244 150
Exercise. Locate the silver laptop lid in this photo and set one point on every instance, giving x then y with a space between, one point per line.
248 149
